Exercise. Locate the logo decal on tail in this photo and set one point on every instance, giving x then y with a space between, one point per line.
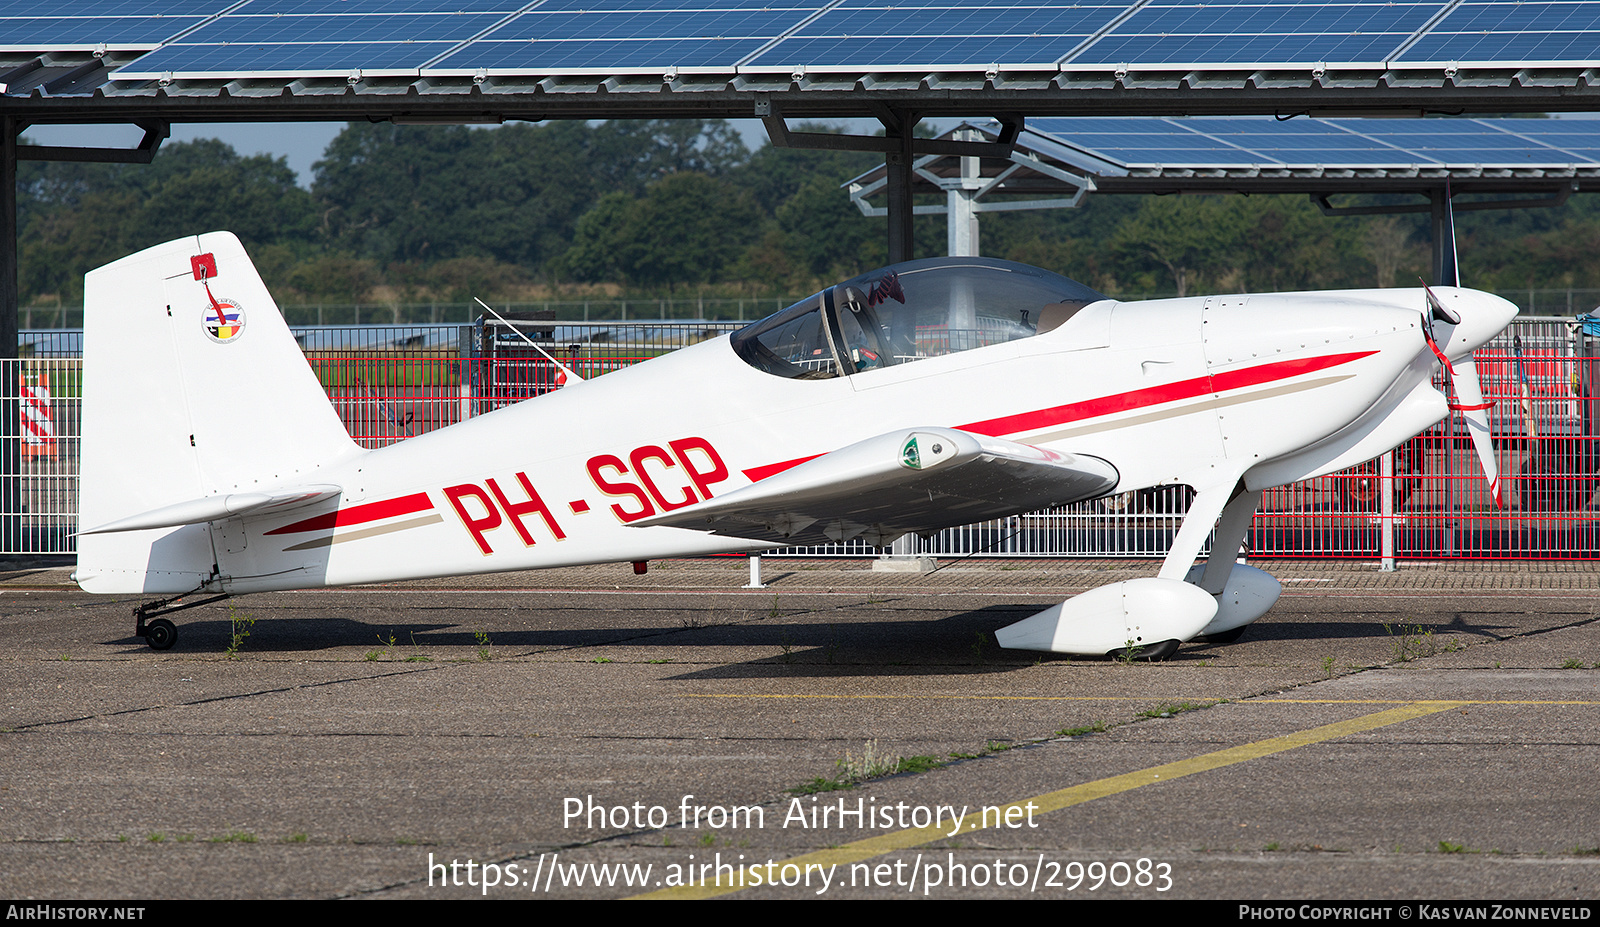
224 321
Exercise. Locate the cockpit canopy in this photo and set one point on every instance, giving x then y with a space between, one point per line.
908 312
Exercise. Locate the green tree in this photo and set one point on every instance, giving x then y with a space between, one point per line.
632 154
406 194
78 217
688 228
597 242
1184 238
827 235
389 192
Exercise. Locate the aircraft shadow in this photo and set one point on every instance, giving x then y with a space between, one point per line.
959 643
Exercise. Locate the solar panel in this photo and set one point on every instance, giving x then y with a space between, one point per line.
567 36
1225 33
123 8
290 37
624 6
363 8
289 30
916 52
1536 47
939 35
321 58
656 25
452 37
1568 136
583 56
114 24
1151 143
90 31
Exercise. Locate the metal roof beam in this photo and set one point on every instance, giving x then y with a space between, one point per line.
780 136
154 134
1558 196
848 96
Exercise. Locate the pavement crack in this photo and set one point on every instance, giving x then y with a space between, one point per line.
307 686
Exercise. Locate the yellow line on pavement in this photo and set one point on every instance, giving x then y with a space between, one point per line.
1057 800
979 698
1145 699
1462 702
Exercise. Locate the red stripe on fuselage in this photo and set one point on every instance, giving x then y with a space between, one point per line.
360 514
1123 402
1155 395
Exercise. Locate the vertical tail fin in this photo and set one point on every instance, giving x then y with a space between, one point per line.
193 387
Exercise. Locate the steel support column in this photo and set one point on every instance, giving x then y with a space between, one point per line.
899 126
961 212
10 446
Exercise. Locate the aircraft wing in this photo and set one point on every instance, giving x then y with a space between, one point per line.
911 481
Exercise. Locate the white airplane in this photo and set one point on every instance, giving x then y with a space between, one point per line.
926 395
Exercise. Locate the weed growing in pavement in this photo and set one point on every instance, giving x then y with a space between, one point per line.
241 625
1412 642
870 764
1167 710
1099 727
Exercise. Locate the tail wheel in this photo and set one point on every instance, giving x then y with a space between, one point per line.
160 634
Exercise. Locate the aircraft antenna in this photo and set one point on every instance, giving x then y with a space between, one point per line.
572 375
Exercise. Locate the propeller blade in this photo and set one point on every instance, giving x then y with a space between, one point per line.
1472 407
1438 310
1464 372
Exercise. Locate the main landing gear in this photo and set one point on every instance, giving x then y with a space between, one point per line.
158 632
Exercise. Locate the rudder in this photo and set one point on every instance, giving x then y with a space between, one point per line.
193 387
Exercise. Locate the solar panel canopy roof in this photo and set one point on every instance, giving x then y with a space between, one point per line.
217 38
1543 160
709 56
1463 145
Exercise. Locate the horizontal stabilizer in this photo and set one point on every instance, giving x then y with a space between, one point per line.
214 508
914 480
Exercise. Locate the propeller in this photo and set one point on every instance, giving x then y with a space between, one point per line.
1468 390
1463 373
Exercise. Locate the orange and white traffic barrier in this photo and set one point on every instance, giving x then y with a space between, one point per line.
38 426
